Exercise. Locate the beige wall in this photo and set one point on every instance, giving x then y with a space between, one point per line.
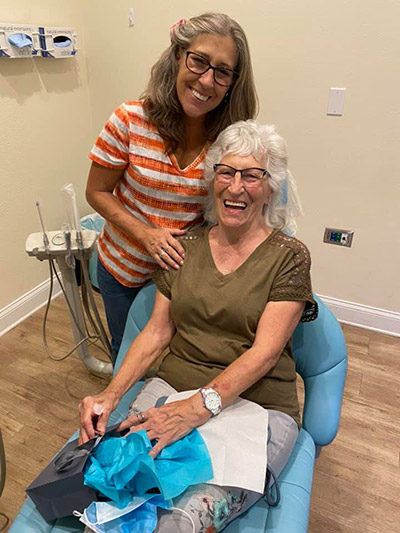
44 137
347 167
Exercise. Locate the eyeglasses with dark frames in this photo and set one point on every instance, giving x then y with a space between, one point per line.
251 177
198 64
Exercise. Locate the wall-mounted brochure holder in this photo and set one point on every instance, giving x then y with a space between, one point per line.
26 40
57 42
19 40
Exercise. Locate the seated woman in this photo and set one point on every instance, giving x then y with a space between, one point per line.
227 316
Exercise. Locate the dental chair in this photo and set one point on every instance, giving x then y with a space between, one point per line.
321 360
94 222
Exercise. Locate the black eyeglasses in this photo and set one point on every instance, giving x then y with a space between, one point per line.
251 177
200 65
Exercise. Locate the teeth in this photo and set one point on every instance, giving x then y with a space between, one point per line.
229 203
201 97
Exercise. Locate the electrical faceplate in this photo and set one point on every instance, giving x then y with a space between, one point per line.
336 101
342 237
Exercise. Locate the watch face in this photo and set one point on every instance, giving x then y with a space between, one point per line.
212 401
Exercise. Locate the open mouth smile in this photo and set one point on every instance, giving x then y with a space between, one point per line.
240 206
199 96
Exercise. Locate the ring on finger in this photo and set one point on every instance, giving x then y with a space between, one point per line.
137 412
162 253
141 417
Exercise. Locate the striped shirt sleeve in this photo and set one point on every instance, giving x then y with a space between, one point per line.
111 149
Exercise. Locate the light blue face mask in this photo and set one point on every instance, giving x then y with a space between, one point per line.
20 40
138 516
61 41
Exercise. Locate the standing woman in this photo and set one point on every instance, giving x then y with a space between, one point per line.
146 177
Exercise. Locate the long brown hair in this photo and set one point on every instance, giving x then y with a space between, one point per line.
160 97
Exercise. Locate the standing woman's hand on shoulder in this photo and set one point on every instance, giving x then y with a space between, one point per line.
162 245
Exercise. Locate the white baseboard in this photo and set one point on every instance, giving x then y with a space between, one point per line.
26 305
364 316
354 314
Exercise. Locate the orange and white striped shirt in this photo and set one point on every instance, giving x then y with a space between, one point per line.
153 188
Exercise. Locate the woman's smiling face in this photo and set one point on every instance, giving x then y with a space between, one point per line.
199 93
237 204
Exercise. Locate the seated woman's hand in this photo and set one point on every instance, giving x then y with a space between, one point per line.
94 413
168 423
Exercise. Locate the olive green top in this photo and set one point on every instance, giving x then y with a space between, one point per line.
216 315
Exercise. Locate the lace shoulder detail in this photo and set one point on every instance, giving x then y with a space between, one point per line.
162 280
285 241
294 282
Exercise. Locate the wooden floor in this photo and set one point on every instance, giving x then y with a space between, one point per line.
357 479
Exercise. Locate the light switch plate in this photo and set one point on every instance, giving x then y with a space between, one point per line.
336 101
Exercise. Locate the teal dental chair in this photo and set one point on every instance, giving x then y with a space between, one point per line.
321 359
94 222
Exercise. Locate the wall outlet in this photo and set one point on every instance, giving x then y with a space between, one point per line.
342 237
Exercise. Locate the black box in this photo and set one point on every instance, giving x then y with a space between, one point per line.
59 488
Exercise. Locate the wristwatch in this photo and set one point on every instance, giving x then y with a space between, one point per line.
212 400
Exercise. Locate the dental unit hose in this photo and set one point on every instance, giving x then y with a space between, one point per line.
65 246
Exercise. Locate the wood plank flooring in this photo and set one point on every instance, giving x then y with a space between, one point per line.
357 478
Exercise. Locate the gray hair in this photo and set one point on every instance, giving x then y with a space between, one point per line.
247 138
160 96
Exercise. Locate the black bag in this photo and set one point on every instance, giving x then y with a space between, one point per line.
59 488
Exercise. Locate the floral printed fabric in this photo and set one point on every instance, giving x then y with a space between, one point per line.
219 511
212 507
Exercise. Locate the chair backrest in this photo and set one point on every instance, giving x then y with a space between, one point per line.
137 318
94 222
321 360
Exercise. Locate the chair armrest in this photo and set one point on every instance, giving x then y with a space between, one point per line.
295 483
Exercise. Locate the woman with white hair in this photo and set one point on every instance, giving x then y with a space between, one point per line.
226 317
146 177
